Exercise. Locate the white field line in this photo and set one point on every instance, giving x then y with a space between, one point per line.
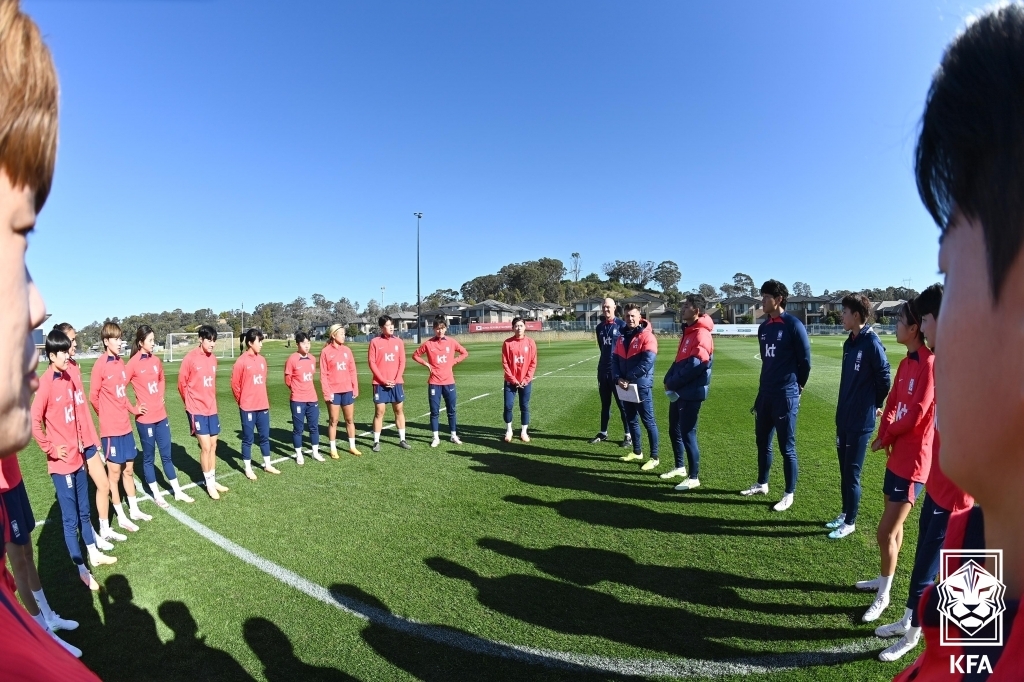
393 425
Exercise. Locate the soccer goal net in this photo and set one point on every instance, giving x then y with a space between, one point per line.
180 343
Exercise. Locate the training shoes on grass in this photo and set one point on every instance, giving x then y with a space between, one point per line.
650 464
599 438
688 484
756 489
631 456
680 472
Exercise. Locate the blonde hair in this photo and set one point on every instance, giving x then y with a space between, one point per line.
111 330
333 329
28 103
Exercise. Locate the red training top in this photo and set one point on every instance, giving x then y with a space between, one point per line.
87 429
55 422
338 371
146 375
197 383
249 382
696 341
943 491
519 359
387 360
441 359
908 423
298 377
10 473
107 396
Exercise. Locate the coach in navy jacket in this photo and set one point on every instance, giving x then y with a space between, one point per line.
608 332
785 367
633 363
863 386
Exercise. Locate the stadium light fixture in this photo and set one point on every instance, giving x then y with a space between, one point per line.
419 216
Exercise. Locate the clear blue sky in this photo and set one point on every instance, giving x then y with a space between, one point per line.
215 153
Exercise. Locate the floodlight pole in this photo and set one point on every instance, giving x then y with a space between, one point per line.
418 301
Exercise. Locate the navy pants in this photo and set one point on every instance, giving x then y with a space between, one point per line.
931 534
447 391
642 411
682 429
153 436
259 421
308 414
851 448
606 387
524 402
73 499
776 415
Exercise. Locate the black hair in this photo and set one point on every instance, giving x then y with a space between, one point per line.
384 319
970 152
775 289
301 336
859 304
910 313
697 301
517 319
207 332
57 342
250 335
63 327
930 300
141 333
632 306
440 320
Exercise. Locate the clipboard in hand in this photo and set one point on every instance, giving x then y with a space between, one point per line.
630 394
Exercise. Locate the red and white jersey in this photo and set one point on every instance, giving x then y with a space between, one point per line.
10 472
908 423
338 371
519 359
197 383
442 356
107 394
387 360
298 377
146 375
87 428
249 382
56 419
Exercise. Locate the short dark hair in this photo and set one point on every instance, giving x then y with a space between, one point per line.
697 301
911 315
57 342
517 319
859 304
440 321
632 306
207 332
384 319
301 336
930 301
64 327
775 289
250 335
970 152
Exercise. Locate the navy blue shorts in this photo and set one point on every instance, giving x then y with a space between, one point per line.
20 521
900 489
119 449
203 425
345 398
382 395
89 453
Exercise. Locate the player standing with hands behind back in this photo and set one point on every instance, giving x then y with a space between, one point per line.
519 360
386 357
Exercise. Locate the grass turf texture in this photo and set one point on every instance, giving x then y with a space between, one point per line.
555 544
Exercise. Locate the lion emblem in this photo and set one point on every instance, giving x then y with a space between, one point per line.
971 597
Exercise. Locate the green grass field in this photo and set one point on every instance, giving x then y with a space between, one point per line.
547 560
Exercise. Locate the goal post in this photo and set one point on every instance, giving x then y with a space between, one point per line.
180 343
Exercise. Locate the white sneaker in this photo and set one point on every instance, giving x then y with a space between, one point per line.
785 503
182 496
631 456
158 498
456 440
71 649
880 604
435 442
868 585
101 559
318 457
102 544
680 472
650 464
688 484
139 515
897 629
836 522
756 489
842 531
299 459
58 623
903 646
89 581
123 522
111 534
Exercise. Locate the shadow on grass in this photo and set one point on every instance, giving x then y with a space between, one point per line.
576 610
276 653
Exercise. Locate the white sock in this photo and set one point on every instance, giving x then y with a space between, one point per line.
119 510
209 476
352 443
401 434
436 436
104 526
133 504
266 460
316 449
298 452
155 489
44 607
508 427
175 486
248 466
525 426
908 617
454 435
334 445
884 583
92 551
376 436
913 634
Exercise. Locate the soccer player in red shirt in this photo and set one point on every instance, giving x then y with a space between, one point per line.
519 360
145 374
108 396
339 382
197 385
249 386
905 433
387 364
442 354
305 406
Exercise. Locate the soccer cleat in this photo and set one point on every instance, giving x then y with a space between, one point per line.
756 489
508 437
299 459
688 484
376 447
220 488
137 515
160 501
524 436
270 469
680 472
897 629
250 474
435 442
58 623
101 544
627 442
182 496
320 458
650 464
903 646
836 522
90 582
334 455
601 437
355 453
212 490
71 649
100 559
123 522
880 604
842 531
868 585
405 446
631 456
456 440
785 503
111 534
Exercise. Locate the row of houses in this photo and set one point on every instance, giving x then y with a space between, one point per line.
810 309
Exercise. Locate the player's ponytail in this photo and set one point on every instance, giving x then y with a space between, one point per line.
141 333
